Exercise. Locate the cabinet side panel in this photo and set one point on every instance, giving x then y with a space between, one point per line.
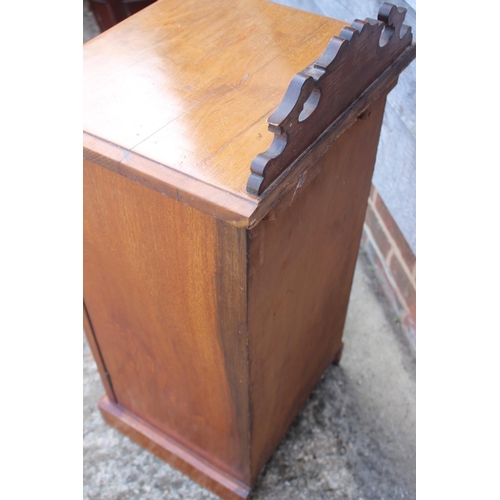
89 334
159 280
301 266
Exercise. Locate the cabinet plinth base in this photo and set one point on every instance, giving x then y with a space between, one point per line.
172 452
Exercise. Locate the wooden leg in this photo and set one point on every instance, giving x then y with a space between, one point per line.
338 355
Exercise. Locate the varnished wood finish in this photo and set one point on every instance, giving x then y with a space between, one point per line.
214 312
230 207
204 197
301 266
166 289
321 92
117 72
173 452
96 352
190 84
307 166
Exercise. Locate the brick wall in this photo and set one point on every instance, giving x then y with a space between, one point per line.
392 260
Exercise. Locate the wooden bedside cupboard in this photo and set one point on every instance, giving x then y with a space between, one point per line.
229 148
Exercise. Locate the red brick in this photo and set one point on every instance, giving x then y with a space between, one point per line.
403 282
381 274
373 193
409 327
364 238
404 249
413 312
377 231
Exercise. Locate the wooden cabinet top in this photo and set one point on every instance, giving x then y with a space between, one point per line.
179 95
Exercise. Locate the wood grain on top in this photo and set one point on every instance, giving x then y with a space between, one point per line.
191 84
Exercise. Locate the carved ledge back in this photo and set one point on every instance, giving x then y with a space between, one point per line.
319 94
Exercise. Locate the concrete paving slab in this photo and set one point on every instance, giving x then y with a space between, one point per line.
353 440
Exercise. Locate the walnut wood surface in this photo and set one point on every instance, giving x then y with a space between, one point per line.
173 452
190 84
214 312
96 352
196 360
301 265
308 164
165 287
134 89
322 91
169 182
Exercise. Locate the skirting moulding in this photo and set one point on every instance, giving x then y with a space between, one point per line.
217 276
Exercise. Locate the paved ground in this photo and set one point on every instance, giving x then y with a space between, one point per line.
354 439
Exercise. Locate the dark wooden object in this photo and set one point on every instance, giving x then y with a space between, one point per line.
351 63
212 311
107 13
